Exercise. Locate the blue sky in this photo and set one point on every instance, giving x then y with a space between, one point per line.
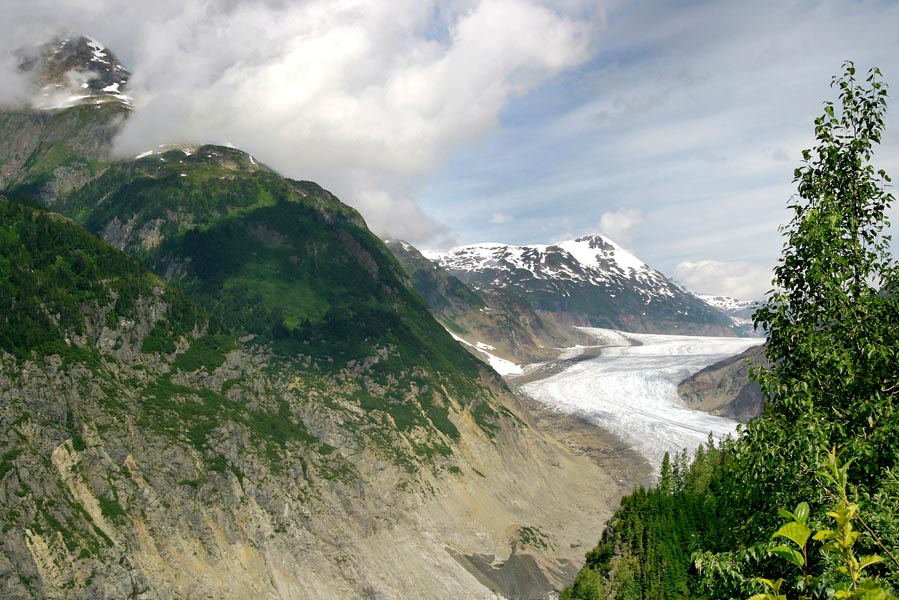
678 138
671 126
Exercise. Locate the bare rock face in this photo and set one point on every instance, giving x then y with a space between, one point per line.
725 389
148 452
101 502
73 70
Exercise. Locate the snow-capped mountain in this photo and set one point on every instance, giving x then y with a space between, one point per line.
589 281
70 71
740 311
731 306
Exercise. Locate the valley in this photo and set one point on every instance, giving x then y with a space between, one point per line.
627 384
216 381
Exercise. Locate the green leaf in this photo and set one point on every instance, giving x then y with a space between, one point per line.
790 554
796 532
786 514
774 585
866 561
802 511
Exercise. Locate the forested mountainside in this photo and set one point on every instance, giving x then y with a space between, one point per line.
232 391
146 428
804 503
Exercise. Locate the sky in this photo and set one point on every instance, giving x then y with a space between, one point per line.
673 127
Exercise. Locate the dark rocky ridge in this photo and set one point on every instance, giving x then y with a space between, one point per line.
594 288
497 317
73 67
725 389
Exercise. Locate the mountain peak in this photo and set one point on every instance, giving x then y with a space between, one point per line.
596 251
589 280
591 256
68 71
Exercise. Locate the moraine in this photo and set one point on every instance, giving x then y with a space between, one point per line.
630 388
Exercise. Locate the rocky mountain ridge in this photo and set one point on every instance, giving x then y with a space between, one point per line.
496 319
272 412
725 388
740 311
588 281
74 70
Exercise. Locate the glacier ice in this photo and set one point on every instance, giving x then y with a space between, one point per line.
630 389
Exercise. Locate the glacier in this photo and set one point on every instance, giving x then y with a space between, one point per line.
630 388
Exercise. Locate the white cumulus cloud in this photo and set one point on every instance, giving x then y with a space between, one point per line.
366 97
619 225
741 280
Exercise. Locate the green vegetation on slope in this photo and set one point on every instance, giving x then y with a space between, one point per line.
282 260
833 350
645 551
286 265
276 258
53 272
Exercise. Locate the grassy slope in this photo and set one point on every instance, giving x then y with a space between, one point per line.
55 151
280 259
287 263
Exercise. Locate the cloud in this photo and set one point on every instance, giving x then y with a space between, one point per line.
12 83
500 218
364 96
694 114
619 224
741 280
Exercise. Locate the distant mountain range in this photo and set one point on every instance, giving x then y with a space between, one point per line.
589 281
739 311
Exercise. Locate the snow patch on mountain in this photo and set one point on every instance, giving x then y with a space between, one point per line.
739 311
500 365
588 250
728 304
68 72
591 259
588 280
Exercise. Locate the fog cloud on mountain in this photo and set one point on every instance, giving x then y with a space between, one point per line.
363 96
676 126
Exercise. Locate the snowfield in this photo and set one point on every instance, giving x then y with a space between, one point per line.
631 389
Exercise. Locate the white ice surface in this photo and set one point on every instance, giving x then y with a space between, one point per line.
631 390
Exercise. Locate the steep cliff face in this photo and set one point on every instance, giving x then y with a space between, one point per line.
275 486
495 317
48 153
158 443
725 389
